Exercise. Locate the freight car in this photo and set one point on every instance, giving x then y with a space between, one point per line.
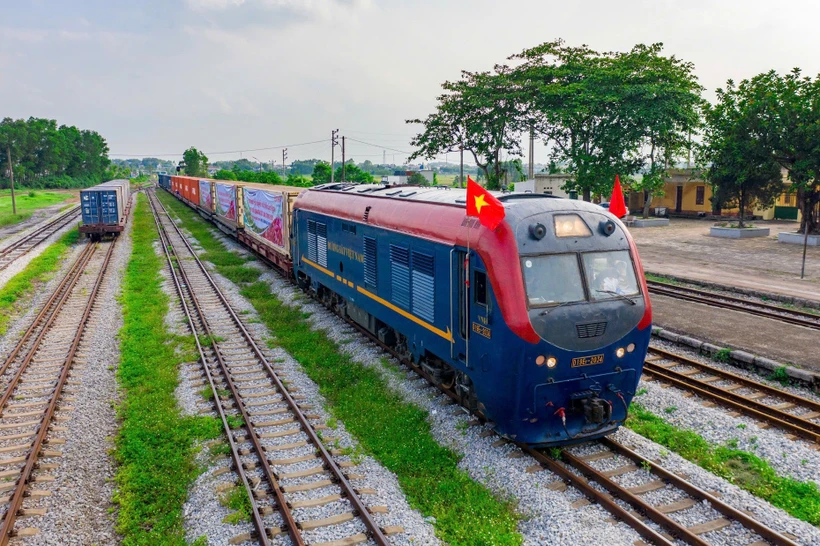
104 208
542 324
164 181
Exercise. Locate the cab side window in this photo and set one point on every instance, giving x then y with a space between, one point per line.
480 289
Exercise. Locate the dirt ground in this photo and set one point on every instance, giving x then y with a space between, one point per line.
38 216
761 336
685 249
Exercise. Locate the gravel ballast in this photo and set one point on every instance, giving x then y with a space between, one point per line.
80 508
793 458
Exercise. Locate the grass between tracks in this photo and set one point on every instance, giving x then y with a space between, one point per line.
37 271
155 445
27 202
394 432
744 469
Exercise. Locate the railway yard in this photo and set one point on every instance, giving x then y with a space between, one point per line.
279 419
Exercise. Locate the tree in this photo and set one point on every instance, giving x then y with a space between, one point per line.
298 180
196 164
353 174
480 112
576 100
789 119
321 173
10 140
664 100
417 179
739 164
224 174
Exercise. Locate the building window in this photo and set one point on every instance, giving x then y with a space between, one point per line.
787 199
699 195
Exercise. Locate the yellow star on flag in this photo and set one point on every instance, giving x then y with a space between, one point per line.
480 203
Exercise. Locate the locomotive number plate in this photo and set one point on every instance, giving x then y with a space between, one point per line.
482 330
587 360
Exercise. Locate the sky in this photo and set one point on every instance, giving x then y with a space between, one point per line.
155 77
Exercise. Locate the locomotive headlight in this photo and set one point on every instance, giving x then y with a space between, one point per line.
540 359
551 362
620 352
630 347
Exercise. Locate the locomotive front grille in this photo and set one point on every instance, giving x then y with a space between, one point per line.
590 329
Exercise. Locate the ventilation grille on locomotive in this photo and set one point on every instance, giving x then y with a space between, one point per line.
591 329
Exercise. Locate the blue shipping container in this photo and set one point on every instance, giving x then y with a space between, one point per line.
100 207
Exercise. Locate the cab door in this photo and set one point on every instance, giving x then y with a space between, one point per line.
470 309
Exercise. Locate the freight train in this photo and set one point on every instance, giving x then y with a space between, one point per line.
104 208
541 324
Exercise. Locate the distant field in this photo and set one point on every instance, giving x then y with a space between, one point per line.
445 179
27 202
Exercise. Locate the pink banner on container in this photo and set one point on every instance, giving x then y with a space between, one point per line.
205 200
226 201
263 215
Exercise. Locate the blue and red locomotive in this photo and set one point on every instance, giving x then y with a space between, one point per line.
542 323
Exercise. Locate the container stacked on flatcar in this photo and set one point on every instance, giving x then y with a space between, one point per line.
265 219
164 181
104 208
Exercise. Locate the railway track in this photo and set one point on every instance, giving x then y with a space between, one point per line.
774 312
33 381
24 245
795 414
295 486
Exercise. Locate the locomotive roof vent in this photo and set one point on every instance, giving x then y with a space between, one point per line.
538 231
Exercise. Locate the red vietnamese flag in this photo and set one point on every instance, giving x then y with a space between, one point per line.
482 204
616 204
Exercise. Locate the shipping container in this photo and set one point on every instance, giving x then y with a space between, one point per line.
164 181
188 189
206 196
105 207
226 206
265 214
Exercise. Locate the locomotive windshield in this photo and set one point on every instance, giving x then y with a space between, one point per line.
553 279
556 279
610 274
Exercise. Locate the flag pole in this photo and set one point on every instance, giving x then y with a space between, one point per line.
468 325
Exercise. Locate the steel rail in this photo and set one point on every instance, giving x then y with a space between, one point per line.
741 517
63 289
797 318
62 220
7 527
752 408
373 528
256 515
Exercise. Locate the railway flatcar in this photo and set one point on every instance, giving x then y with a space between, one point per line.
542 324
104 208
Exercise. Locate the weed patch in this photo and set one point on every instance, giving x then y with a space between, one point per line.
394 432
155 445
37 271
746 470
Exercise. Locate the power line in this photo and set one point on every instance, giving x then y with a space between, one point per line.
380 146
230 152
380 134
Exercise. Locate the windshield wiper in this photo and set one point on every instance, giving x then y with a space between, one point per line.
617 295
551 307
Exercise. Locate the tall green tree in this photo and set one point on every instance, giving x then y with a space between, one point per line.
577 100
321 173
482 113
196 163
353 174
789 118
738 161
664 101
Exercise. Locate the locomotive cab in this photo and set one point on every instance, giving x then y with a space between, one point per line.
587 302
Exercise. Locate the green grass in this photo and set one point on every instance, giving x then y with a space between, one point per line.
236 499
744 469
393 431
27 202
155 447
36 272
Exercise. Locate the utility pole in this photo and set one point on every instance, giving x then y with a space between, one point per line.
384 157
284 157
333 142
531 170
343 159
461 166
11 179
